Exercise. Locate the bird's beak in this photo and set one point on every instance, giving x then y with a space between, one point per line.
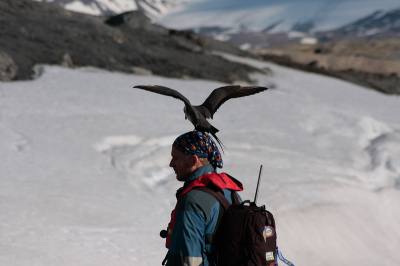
185 117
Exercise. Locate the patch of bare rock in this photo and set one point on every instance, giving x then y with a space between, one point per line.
373 64
34 33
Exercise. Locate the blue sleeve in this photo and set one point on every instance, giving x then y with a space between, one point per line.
197 215
187 242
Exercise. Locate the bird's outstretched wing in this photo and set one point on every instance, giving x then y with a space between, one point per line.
164 91
221 95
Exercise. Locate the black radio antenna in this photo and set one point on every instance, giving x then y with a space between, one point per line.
258 184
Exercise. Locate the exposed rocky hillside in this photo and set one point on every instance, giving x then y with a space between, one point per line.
44 33
373 64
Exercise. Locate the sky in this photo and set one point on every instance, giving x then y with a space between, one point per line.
85 176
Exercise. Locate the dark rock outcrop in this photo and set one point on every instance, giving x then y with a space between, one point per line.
135 20
44 33
8 69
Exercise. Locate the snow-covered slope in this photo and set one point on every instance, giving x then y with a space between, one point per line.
112 7
85 179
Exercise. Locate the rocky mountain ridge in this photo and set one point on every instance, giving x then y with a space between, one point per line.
377 26
34 33
271 23
261 24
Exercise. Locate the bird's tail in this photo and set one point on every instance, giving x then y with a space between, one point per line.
213 131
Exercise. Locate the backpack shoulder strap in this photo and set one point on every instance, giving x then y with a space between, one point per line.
217 194
209 239
235 198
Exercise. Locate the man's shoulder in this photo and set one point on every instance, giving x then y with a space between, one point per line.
196 200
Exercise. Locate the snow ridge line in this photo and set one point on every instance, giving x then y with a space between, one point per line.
140 161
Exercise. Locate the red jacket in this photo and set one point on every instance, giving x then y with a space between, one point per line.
221 181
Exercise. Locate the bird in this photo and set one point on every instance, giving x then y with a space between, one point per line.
198 115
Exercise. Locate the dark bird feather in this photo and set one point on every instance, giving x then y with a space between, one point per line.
198 115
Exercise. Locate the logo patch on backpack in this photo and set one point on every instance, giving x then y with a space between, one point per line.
269 256
268 232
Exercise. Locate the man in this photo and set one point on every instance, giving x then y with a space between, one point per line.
195 158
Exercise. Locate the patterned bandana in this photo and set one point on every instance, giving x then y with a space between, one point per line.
199 144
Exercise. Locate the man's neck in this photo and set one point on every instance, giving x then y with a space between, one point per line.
205 169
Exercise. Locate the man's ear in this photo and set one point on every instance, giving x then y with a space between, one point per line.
194 161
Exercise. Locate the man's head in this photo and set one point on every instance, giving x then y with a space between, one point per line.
184 165
192 150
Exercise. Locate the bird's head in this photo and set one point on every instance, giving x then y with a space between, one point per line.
184 110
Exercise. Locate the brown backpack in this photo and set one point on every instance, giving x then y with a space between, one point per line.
245 233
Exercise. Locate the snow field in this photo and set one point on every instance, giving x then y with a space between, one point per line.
85 176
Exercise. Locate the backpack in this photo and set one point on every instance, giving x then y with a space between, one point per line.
245 233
